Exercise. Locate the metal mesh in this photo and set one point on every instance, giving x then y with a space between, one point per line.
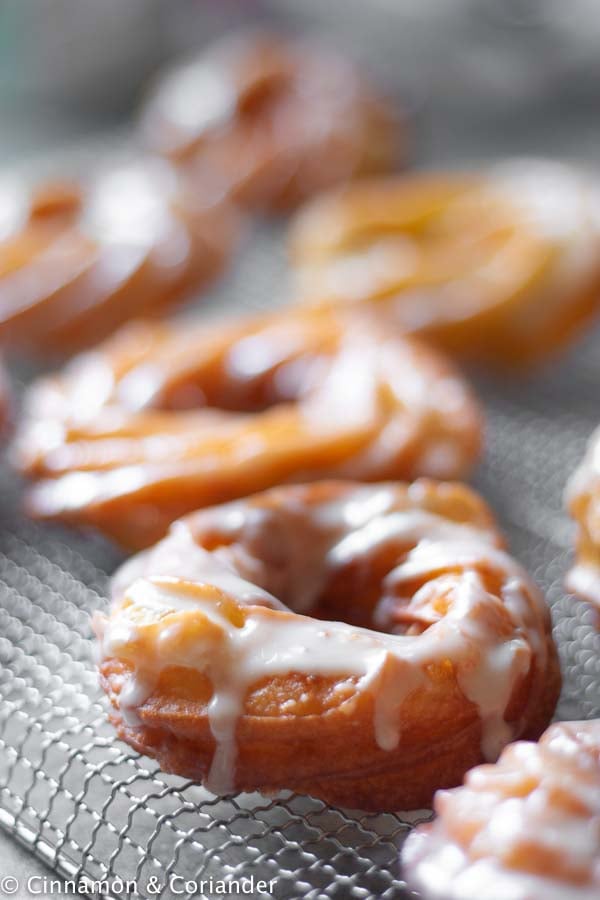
91 807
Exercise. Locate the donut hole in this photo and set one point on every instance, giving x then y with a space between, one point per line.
293 557
57 202
355 592
263 75
233 392
269 386
252 374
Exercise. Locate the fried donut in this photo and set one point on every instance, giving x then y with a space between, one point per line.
500 266
583 498
163 420
6 403
527 828
273 120
77 260
362 644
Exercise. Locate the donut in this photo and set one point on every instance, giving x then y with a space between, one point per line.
78 259
162 420
583 499
500 266
527 828
364 644
6 403
273 119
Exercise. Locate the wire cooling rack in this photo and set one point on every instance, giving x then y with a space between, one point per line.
95 810
102 815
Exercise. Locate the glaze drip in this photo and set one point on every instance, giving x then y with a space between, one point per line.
248 578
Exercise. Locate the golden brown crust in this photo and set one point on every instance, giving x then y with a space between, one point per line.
314 757
497 266
160 420
273 120
79 259
313 732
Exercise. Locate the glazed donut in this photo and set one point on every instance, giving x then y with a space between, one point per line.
6 403
79 259
163 420
362 644
527 828
583 498
500 266
274 120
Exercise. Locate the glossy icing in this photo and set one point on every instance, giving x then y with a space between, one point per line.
273 120
79 258
448 593
165 420
583 500
500 264
527 828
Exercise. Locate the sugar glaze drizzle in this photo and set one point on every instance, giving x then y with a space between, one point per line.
490 639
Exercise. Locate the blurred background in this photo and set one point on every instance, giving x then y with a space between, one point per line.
481 77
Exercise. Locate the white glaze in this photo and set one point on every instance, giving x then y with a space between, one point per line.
131 205
14 207
126 204
561 206
582 496
566 764
445 874
349 396
583 579
198 97
587 475
317 542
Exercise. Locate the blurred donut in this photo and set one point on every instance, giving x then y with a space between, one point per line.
162 420
364 644
79 259
500 266
583 498
274 120
6 403
527 828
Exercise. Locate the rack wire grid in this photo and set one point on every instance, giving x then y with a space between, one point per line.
95 810
85 803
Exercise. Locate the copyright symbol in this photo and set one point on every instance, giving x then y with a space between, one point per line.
9 884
